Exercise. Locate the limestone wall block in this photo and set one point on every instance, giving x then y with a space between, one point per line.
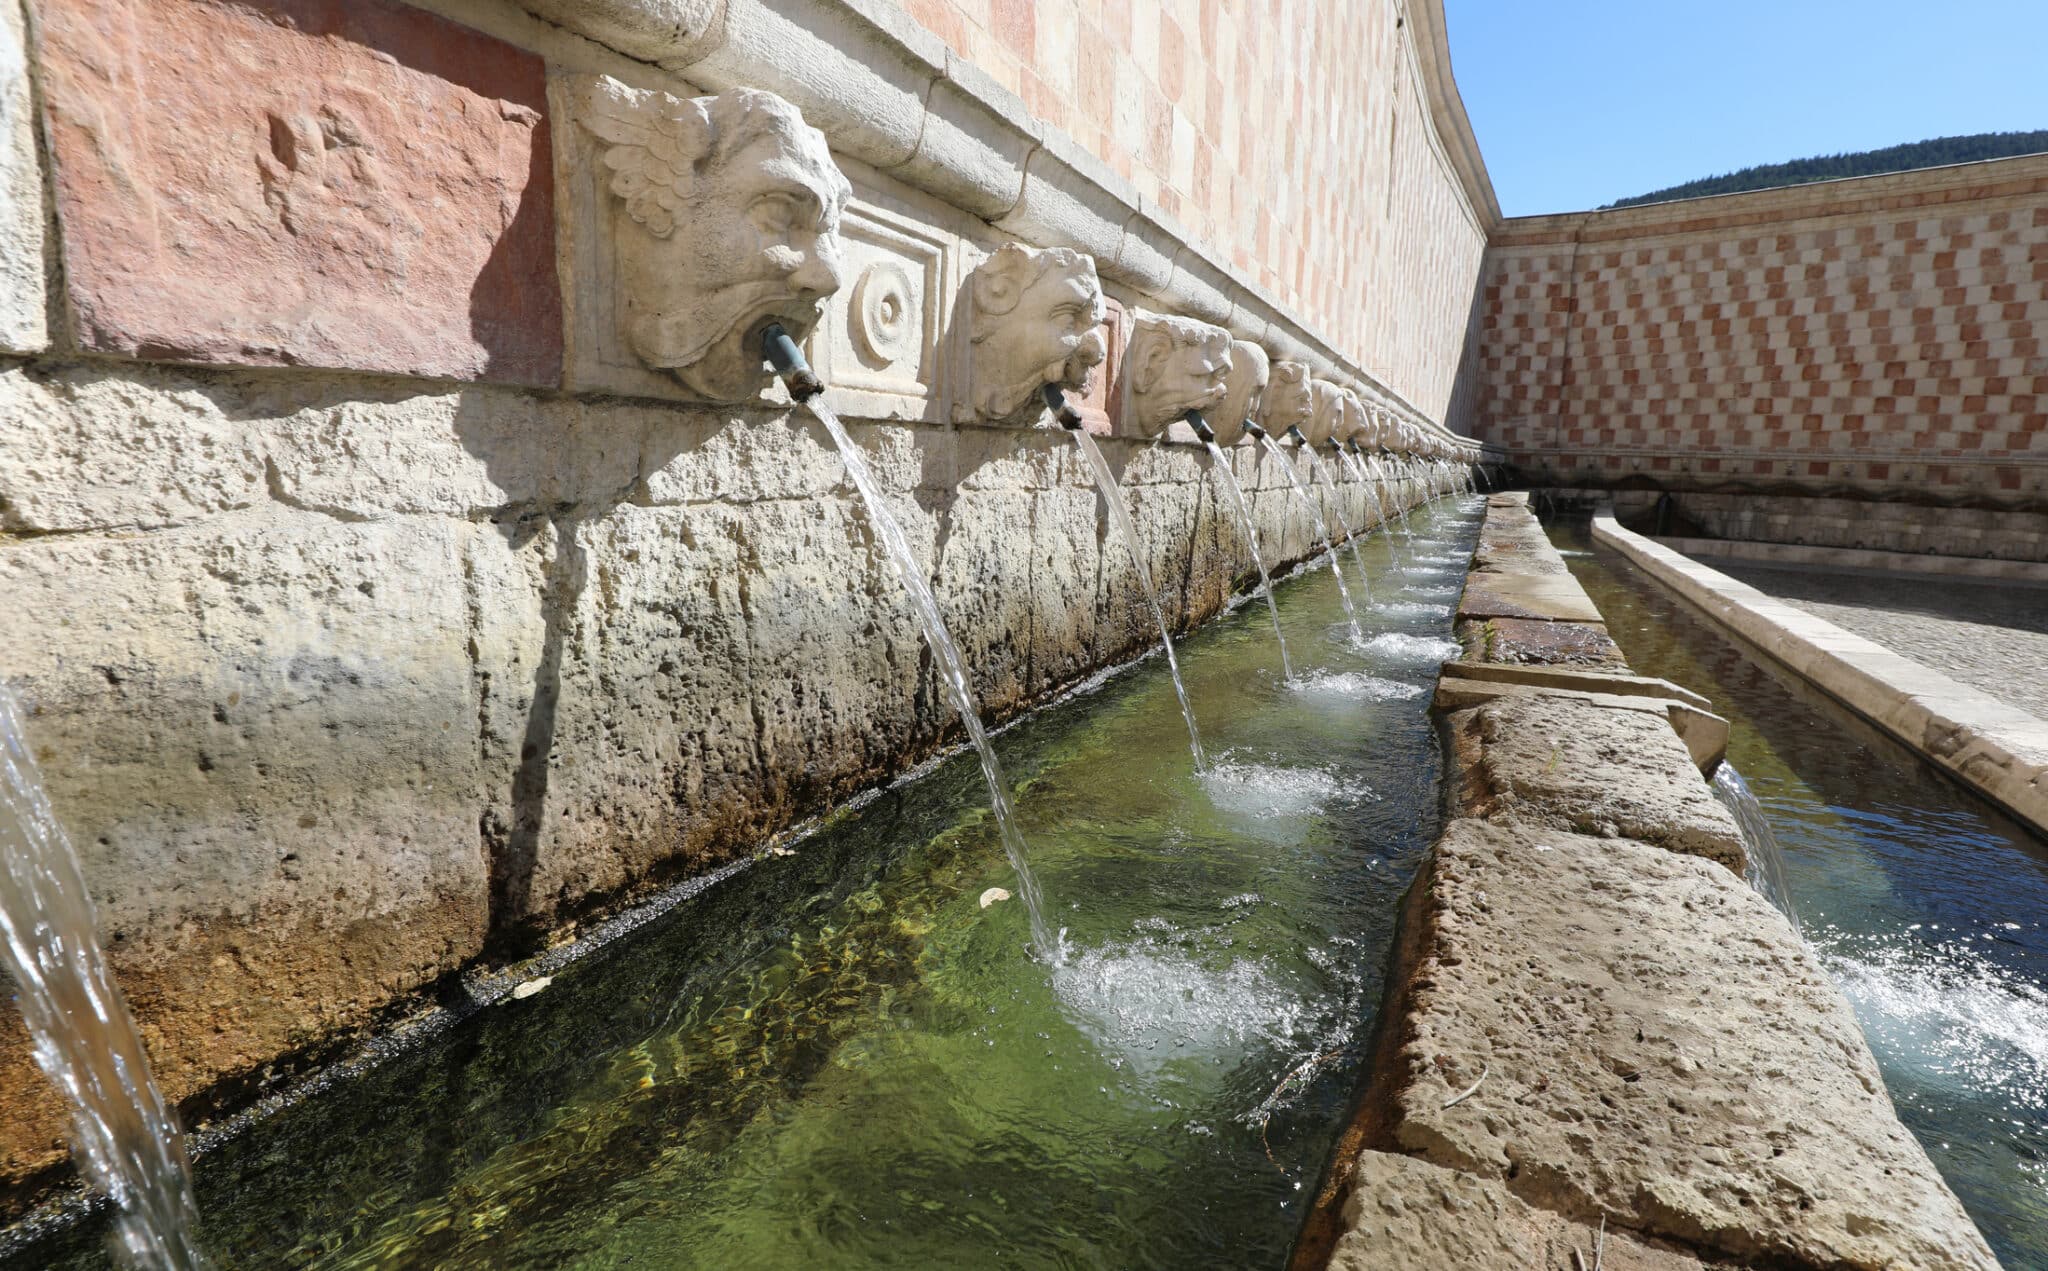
1071 199
261 734
213 210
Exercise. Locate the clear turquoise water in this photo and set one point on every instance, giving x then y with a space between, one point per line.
839 1059
1928 908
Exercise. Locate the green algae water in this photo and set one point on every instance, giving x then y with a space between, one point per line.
1928 908
838 1058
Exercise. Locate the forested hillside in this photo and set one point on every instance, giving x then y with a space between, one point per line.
1918 154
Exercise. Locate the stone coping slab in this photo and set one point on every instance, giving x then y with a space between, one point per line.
1556 598
1582 681
1407 1215
1704 733
1571 762
1536 642
1643 1037
1996 749
1872 560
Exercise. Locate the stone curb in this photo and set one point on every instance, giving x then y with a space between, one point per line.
1996 749
1593 1030
1867 559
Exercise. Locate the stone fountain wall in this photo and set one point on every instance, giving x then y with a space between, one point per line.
378 615
1853 363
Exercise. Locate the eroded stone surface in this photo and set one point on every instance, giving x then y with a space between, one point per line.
1573 764
259 183
1406 1215
1537 642
1657 1046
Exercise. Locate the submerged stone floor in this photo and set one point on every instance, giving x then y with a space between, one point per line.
1993 636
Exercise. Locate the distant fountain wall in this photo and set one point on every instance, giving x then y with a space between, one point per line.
379 608
1878 343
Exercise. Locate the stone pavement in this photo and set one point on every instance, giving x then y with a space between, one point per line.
1991 636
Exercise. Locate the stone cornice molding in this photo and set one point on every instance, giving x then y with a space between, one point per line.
888 92
1447 111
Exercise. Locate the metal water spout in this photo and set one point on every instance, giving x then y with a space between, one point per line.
787 359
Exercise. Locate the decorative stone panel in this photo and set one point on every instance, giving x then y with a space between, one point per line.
339 183
880 345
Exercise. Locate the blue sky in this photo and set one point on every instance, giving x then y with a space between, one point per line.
1580 102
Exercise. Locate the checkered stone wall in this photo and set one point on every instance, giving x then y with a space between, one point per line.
1884 337
1293 136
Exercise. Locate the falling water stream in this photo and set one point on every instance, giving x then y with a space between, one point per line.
1766 872
1372 489
124 1137
1322 528
1221 466
1112 494
1337 510
952 672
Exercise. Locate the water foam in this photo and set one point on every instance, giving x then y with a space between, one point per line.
1354 684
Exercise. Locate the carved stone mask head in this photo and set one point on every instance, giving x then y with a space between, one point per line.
1287 403
1328 405
1036 319
1351 422
1242 390
728 220
1172 366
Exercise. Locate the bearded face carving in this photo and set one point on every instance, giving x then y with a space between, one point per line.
727 221
1243 390
1036 319
1288 402
1173 365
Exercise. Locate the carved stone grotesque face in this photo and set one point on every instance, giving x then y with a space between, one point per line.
1328 402
1036 319
727 221
1289 403
1173 365
1351 420
1250 369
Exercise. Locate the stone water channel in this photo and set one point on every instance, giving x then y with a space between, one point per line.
838 1057
1925 905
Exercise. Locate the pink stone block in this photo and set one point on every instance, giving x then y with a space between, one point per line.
335 183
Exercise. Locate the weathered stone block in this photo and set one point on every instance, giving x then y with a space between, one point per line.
1573 764
1405 1215
1676 1059
341 183
261 735
23 328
